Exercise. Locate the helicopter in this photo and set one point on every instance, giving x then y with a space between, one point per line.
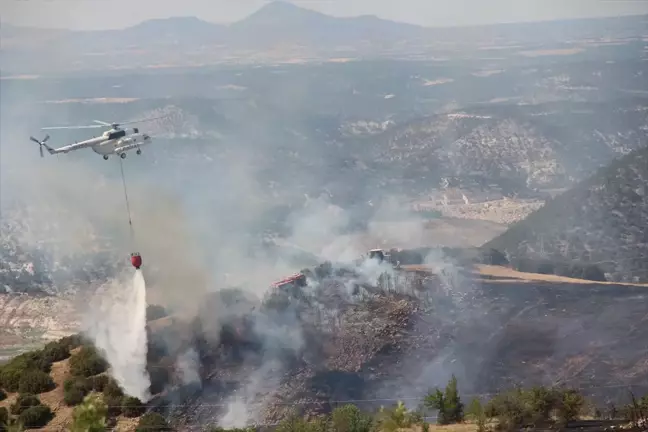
115 141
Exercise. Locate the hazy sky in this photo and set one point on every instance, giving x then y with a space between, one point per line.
105 14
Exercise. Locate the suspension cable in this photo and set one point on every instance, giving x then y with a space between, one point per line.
130 221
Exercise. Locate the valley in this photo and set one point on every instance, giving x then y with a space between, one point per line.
502 167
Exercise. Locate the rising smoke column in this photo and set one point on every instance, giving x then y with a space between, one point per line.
117 325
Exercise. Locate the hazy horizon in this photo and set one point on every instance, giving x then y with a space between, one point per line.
86 15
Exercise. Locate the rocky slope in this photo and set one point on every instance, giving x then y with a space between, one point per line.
514 149
346 338
32 320
601 220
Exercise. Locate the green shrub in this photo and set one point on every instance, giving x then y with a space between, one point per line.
394 418
11 372
4 416
87 363
533 407
113 389
32 360
55 352
10 378
23 402
152 421
73 396
114 404
300 424
569 405
81 383
35 382
90 416
75 389
3 395
132 407
36 416
71 342
99 383
477 414
349 418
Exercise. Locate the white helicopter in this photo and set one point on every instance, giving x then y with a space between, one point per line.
115 141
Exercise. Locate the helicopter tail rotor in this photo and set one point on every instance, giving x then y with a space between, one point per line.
42 144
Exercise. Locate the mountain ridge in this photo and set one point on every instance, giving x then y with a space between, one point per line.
601 220
281 31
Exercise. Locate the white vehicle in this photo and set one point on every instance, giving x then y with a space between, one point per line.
115 141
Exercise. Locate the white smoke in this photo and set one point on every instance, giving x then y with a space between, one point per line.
116 323
187 365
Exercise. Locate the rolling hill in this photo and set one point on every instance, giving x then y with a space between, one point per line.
601 220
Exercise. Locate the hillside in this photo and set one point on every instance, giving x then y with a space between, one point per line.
74 370
351 335
601 220
513 149
345 338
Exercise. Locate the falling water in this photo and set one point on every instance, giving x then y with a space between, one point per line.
118 328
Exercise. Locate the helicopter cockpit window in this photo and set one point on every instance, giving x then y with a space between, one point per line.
117 134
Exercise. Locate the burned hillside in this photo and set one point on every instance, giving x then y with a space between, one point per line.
601 221
377 333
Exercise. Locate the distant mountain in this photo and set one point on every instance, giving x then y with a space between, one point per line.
602 220
279 30
282 22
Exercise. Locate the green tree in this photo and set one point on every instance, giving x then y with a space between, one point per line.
152 421
447 403
435 400
91 415
477 414
509 409
540 401
569 406
349 418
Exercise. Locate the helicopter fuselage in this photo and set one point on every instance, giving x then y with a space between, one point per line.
110 142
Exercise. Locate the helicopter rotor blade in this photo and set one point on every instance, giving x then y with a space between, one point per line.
144 120
73 127
102 122
40 148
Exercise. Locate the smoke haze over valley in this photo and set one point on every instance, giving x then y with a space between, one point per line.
297 141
